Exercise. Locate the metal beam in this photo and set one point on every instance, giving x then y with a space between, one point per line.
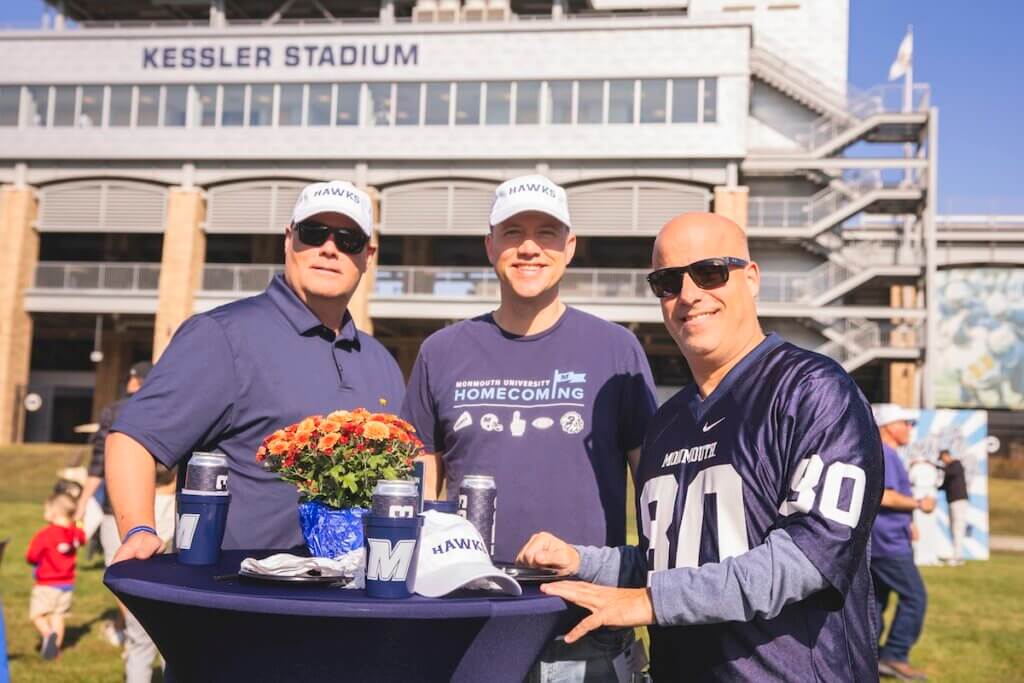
795 163
931 361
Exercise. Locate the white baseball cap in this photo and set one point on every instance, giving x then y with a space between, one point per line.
887 413
449 555
530 193
336 196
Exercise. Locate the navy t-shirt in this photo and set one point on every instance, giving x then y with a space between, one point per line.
234 375
891 535
550 416
786 441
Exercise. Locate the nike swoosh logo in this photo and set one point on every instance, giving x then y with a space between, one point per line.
709 427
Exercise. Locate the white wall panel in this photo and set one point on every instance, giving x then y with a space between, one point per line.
102 206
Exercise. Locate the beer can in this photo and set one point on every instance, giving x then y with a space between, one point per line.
207 474
478 502
395 498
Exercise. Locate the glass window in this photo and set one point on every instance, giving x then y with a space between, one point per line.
559 101
407 104
438 104
289 111
653 95
232 105
348 104
91 113
380 104
120 106
319 104
175 105
710 100
39 102
467 104
261 105
64 105
527 102
206 105
684 100
591 102
620 101
499 103
149 106
10 98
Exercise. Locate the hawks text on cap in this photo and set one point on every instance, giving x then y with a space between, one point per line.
530 193
336 196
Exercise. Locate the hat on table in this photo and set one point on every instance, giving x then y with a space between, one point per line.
336 196
530 193
450 555
887 413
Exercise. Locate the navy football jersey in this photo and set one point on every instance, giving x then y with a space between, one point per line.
786 441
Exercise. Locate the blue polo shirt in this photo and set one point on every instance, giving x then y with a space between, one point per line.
890 536
234 375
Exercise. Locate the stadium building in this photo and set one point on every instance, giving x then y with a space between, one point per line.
150 153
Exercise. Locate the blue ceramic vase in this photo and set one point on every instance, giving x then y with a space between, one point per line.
331 532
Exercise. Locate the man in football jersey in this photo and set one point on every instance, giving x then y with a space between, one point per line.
757 488
550 401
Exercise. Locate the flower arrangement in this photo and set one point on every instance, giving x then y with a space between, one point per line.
337 459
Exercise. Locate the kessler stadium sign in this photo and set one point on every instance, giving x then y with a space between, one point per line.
269 56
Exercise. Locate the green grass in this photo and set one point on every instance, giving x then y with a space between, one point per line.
973 631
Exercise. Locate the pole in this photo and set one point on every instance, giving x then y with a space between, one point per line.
931 267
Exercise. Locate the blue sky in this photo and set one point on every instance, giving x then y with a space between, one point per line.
970 53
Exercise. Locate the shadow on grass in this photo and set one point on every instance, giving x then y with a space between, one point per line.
75 633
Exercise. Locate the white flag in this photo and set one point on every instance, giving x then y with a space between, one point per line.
903 57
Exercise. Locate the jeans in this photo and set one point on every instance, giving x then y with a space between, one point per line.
589 660
899 575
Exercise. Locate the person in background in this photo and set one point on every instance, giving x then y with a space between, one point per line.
954 483
892 553
53 552
94 488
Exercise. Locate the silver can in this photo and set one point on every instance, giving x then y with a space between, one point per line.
478 502
207 474
395 498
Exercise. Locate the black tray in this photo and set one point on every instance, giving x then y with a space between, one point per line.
531 574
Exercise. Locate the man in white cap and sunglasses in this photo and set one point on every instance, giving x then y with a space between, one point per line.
757 489
550 401
235 374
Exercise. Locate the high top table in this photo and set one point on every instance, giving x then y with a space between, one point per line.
216 629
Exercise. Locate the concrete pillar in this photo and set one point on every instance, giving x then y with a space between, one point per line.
359 304
18 258
181 267
731 202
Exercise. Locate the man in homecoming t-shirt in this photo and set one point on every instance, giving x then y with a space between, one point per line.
550 401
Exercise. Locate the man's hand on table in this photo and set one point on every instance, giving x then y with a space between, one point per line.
609 606
549 552
140 546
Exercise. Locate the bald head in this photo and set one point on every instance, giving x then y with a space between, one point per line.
702 235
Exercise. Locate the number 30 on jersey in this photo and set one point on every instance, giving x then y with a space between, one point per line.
658 500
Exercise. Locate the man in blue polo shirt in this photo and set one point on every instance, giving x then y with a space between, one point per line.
892 555
550 401
235 374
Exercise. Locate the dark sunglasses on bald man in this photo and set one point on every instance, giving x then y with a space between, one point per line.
707 273
348 240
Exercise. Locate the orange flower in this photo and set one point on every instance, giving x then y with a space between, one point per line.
278 446
327 443
307 426
375 431
340 416
400 434
261 453
303 438
329 426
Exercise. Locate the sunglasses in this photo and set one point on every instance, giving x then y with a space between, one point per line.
707 273
347 240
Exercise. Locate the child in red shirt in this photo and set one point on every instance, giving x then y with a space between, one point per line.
53 551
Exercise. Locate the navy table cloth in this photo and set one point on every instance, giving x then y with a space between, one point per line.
217 629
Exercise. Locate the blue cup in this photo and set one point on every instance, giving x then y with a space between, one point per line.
390 548
199 528
449 506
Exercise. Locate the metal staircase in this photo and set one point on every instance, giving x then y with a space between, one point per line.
855 342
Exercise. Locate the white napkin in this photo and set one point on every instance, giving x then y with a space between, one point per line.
284 564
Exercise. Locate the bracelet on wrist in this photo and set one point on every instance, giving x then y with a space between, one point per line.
138 530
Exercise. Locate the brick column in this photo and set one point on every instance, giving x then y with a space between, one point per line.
18 258
112 371
731 202
903 384
181 267
359 304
